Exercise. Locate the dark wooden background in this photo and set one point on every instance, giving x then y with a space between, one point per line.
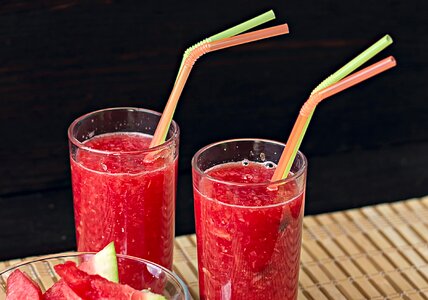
61 59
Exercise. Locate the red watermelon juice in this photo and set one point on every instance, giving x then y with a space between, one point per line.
123 191
248 230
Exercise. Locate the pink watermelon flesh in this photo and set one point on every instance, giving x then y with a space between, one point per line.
21 287
94 287
61 291
88 267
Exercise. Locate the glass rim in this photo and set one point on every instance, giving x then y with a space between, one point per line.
80 145
259 184
76 254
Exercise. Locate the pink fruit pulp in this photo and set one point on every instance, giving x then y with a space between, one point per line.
95 287
22 287
60 291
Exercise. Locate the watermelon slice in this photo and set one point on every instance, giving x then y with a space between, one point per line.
21 287
104 263
95 287
60 291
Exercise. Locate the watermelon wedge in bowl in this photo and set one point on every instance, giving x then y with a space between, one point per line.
102 275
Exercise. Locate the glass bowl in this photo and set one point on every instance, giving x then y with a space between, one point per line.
135 272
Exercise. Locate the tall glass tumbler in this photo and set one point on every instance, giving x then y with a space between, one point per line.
248 228
122 190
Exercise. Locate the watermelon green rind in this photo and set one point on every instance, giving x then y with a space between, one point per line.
104 263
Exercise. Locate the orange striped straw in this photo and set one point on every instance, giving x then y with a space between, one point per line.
195 54
298 131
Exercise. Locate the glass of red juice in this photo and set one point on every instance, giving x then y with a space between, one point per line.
248 228
122 190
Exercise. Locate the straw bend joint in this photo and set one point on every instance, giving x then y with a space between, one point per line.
309 106
196 53
191 48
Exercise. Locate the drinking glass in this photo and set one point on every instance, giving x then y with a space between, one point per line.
122 190
248 230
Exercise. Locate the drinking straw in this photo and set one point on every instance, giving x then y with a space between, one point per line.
355 63
245 26
347 69
166 118
296 136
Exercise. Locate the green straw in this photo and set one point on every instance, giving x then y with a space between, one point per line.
247 25
337 76
354 64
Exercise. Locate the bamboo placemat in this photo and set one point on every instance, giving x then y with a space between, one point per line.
375 252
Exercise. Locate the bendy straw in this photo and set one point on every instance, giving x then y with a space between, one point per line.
240 28
355 63
166 118
347 69
299 129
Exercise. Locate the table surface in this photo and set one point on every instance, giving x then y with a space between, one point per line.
375 252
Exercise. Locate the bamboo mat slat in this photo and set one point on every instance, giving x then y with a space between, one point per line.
375 252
